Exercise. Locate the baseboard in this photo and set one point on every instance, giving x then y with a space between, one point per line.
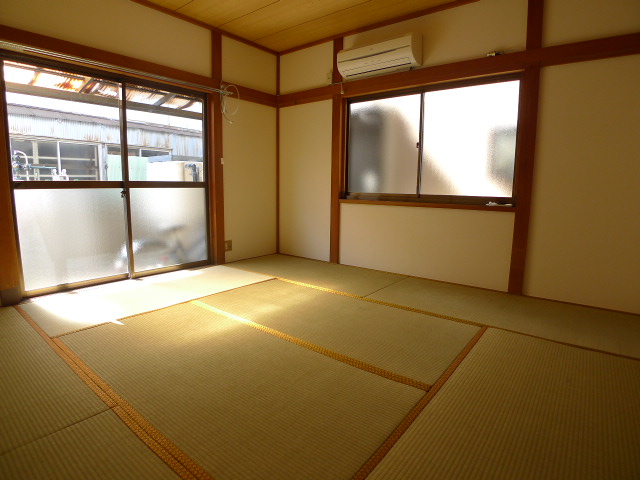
10 296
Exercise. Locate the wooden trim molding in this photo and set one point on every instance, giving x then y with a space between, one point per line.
525 156
452 206
337 160
308 96
51 44
179 77
10 272
527 133
535 23
256 96
216 181
10 296
277 157
616 46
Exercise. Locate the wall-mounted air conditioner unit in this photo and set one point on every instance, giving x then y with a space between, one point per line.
389 56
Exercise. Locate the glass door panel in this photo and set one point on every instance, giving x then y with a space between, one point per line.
60 123
168 227
164 133
69 236
66 126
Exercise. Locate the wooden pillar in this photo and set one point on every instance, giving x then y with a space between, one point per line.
10 285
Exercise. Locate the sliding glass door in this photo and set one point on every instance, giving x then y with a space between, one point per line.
108 176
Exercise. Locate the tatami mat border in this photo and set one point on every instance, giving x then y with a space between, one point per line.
89 327
443 316
318 349
377 457
175 458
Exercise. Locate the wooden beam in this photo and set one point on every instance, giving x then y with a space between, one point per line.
526 154
256 96
215 147
10 272
70 49
535 24
277 157
616 46
337 163
523 184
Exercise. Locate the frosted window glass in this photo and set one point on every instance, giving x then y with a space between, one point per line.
60 123
470 140
70 236
164 132
382 151
169 226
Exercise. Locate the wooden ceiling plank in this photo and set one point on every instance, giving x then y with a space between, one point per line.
336 24
170 4
220 12
286 14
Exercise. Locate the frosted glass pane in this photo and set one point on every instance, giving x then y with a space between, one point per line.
60 123
470 140
382 151
169 226
164 131
69 236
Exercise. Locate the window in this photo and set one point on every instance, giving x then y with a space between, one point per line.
85 210
66 126
453 144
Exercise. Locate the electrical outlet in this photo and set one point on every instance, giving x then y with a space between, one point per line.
228 245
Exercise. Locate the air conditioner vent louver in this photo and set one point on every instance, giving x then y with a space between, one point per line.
385 57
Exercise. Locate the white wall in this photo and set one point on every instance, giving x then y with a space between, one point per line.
249 145
461 33
118 26
585 228
470 247
248 66
460 246
306 69
583 244
249 152
576 20
305 179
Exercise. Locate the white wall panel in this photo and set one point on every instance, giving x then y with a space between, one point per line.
305 180
118 26
305 69
469 247
461 33
585 223
568 21
248 66
249 145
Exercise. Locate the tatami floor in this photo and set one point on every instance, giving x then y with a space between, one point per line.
279 368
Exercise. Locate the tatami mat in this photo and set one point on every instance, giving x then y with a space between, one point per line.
65 312
525 408
40 395
99 448
354 280
241 403
408 343
589 327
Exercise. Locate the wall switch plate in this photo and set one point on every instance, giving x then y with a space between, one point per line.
228 245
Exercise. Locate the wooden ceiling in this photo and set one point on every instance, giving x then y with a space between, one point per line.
281 25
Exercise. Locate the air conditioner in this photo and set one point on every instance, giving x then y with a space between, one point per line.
389 56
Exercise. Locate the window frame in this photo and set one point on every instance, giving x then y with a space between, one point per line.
126 80
422 199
